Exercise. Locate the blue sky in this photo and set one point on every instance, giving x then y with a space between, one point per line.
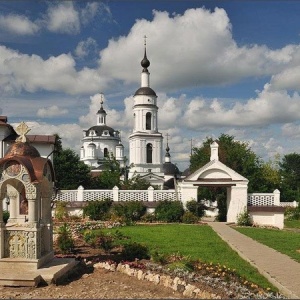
217 66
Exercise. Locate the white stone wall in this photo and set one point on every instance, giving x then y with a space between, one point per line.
274 219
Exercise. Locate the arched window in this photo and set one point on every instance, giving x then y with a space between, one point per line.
105 152
148 120
149 153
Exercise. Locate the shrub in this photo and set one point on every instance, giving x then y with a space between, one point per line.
133 250
244 219
148 218
222 206
97 210
105 241
195 208
169 211
90 237
132 210
61 212
65 241
160 258
189 218
5 216
292 213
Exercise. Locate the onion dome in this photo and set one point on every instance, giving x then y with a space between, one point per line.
22 149
145 63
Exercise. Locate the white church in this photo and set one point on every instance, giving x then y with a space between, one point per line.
145 141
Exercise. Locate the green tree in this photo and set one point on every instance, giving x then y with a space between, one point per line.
70 171
290 177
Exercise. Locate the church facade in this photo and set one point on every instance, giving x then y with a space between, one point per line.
100 142
145 141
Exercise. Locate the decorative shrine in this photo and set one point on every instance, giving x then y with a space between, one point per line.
26 183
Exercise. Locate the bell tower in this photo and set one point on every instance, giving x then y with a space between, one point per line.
145 143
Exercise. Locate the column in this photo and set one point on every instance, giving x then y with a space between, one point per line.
13 207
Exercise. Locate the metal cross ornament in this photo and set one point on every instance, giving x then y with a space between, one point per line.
22 129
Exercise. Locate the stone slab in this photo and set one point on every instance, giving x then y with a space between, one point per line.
19 275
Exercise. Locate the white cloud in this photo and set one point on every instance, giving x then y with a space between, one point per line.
32 73
193 49
270 107
18 24
63 18
84 48
51 111
89 12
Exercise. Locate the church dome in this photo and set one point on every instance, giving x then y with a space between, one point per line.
22 149
100 129
145 91
170 169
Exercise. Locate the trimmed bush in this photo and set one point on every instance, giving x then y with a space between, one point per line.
189 218
169 211
133 250
132 211
195 208
97 210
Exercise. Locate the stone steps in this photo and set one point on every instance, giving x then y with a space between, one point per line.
15 274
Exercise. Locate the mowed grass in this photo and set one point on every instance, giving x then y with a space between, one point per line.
196 242
286 242
292 224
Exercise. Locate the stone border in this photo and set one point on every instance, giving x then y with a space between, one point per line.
175 284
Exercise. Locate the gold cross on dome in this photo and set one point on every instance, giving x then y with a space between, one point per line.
22 129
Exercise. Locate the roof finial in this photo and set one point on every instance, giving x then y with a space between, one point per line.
145 63
101 99
168 148
22 129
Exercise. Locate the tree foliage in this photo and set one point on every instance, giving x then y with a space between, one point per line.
69 170
290 177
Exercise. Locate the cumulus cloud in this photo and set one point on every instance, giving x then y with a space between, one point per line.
200 51
51 111
84 48
57 73
63 18
18 24
270 107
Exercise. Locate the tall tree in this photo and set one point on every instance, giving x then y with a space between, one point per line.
70 171
290 177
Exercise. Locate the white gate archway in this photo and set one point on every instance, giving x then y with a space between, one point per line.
216 174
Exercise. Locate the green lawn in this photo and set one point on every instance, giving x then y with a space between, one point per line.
292 224
286 242
197 242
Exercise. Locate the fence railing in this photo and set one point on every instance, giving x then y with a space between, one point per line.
253 199
264 199
117 195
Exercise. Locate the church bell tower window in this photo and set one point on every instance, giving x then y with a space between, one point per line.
148 120
149 153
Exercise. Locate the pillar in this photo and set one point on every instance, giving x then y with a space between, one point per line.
2 196
237 203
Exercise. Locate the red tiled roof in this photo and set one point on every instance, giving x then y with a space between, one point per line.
43 139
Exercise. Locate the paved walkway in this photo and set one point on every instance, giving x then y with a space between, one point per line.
282 271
